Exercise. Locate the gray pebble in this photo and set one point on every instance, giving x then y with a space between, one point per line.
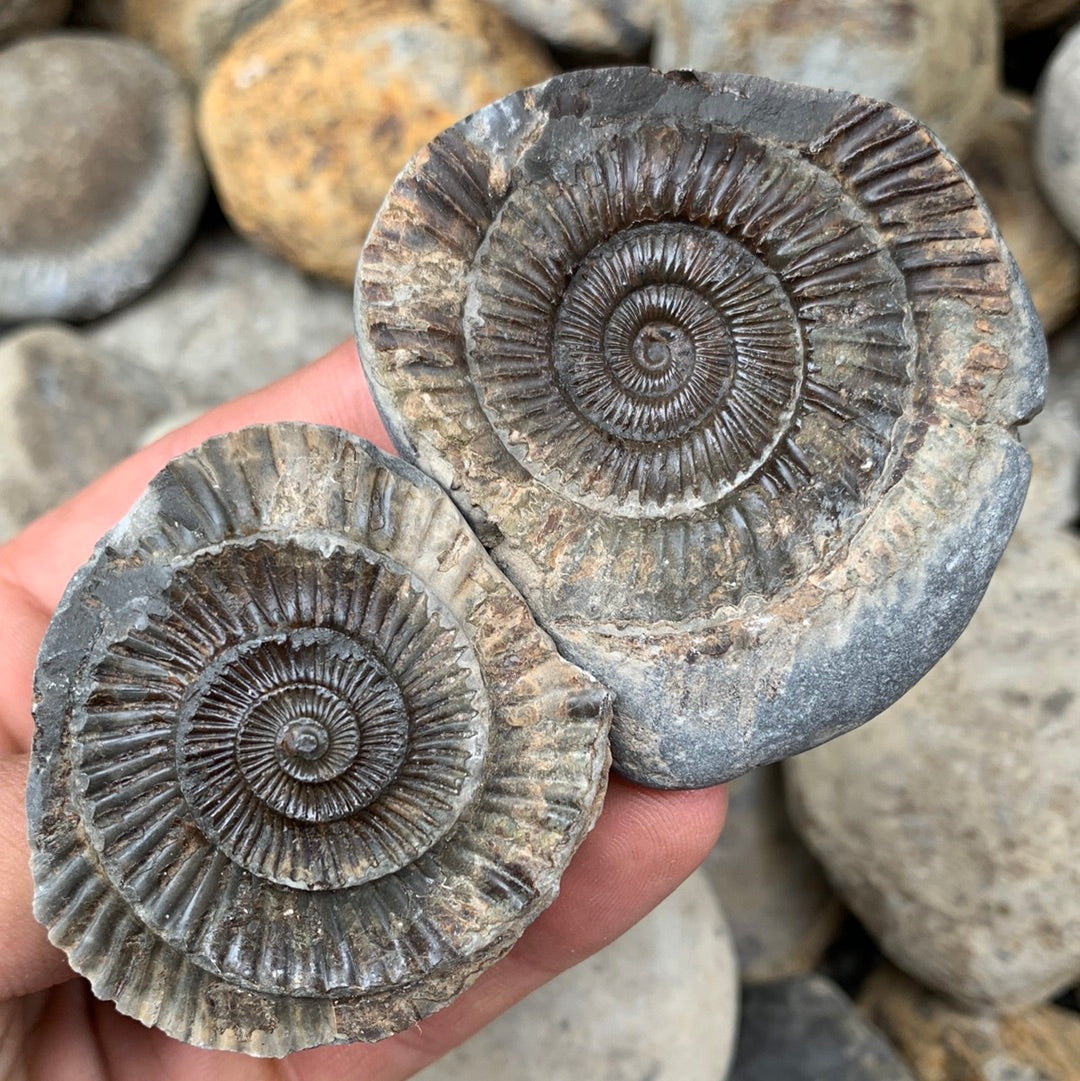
227 320
807 1029
658 1003
936 58
71 411
1057 131
950 825
103 183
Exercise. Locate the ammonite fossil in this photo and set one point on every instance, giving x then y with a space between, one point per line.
726 374
304 763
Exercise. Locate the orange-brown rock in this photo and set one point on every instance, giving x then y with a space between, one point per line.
943 1043
311 113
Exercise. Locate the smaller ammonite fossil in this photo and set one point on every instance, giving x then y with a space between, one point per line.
726 373
291 689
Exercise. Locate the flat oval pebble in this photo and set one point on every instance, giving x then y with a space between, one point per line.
102 177
290 690
950 825
21 17
1057 131
659 1003
225 320
726 373
311 113
938 59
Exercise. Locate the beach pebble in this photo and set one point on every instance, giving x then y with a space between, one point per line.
807 1029
613 27
782 911
19 17
103 184
310 114
659 1003
190 34
226 320
999 161
942 1043
1057 131
71 411
1019 16
950 824
936 58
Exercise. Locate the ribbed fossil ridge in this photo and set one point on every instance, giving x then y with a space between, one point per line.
679 346
279 696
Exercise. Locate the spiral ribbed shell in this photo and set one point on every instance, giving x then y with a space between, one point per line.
304 763
723 370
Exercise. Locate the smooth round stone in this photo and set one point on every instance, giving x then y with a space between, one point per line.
1020 16
311 113
71 411
19 17
782 911
103 182
942 1043
1057 131
950 824
999 161
659 1003
936 58
190 34
226 320
614 27
807 1029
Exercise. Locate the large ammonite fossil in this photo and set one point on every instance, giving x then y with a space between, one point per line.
726 374
304 764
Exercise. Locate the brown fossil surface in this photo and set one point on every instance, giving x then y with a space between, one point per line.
291 689
726 373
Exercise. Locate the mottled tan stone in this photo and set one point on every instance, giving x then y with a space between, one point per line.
999 161
18 17
312 112
190 34
942 1043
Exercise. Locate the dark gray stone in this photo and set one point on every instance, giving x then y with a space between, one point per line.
102 177
807 1029
726 373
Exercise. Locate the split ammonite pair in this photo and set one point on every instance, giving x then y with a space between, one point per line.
722 374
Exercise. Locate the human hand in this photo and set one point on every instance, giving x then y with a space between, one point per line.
644 844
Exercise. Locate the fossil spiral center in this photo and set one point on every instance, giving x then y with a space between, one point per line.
305 739
660 347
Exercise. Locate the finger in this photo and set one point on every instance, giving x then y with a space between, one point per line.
44 556
30 961
645 843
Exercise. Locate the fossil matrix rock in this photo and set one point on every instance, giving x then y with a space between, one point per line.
726 373
280 694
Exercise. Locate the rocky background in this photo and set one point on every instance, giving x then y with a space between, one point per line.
184 189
